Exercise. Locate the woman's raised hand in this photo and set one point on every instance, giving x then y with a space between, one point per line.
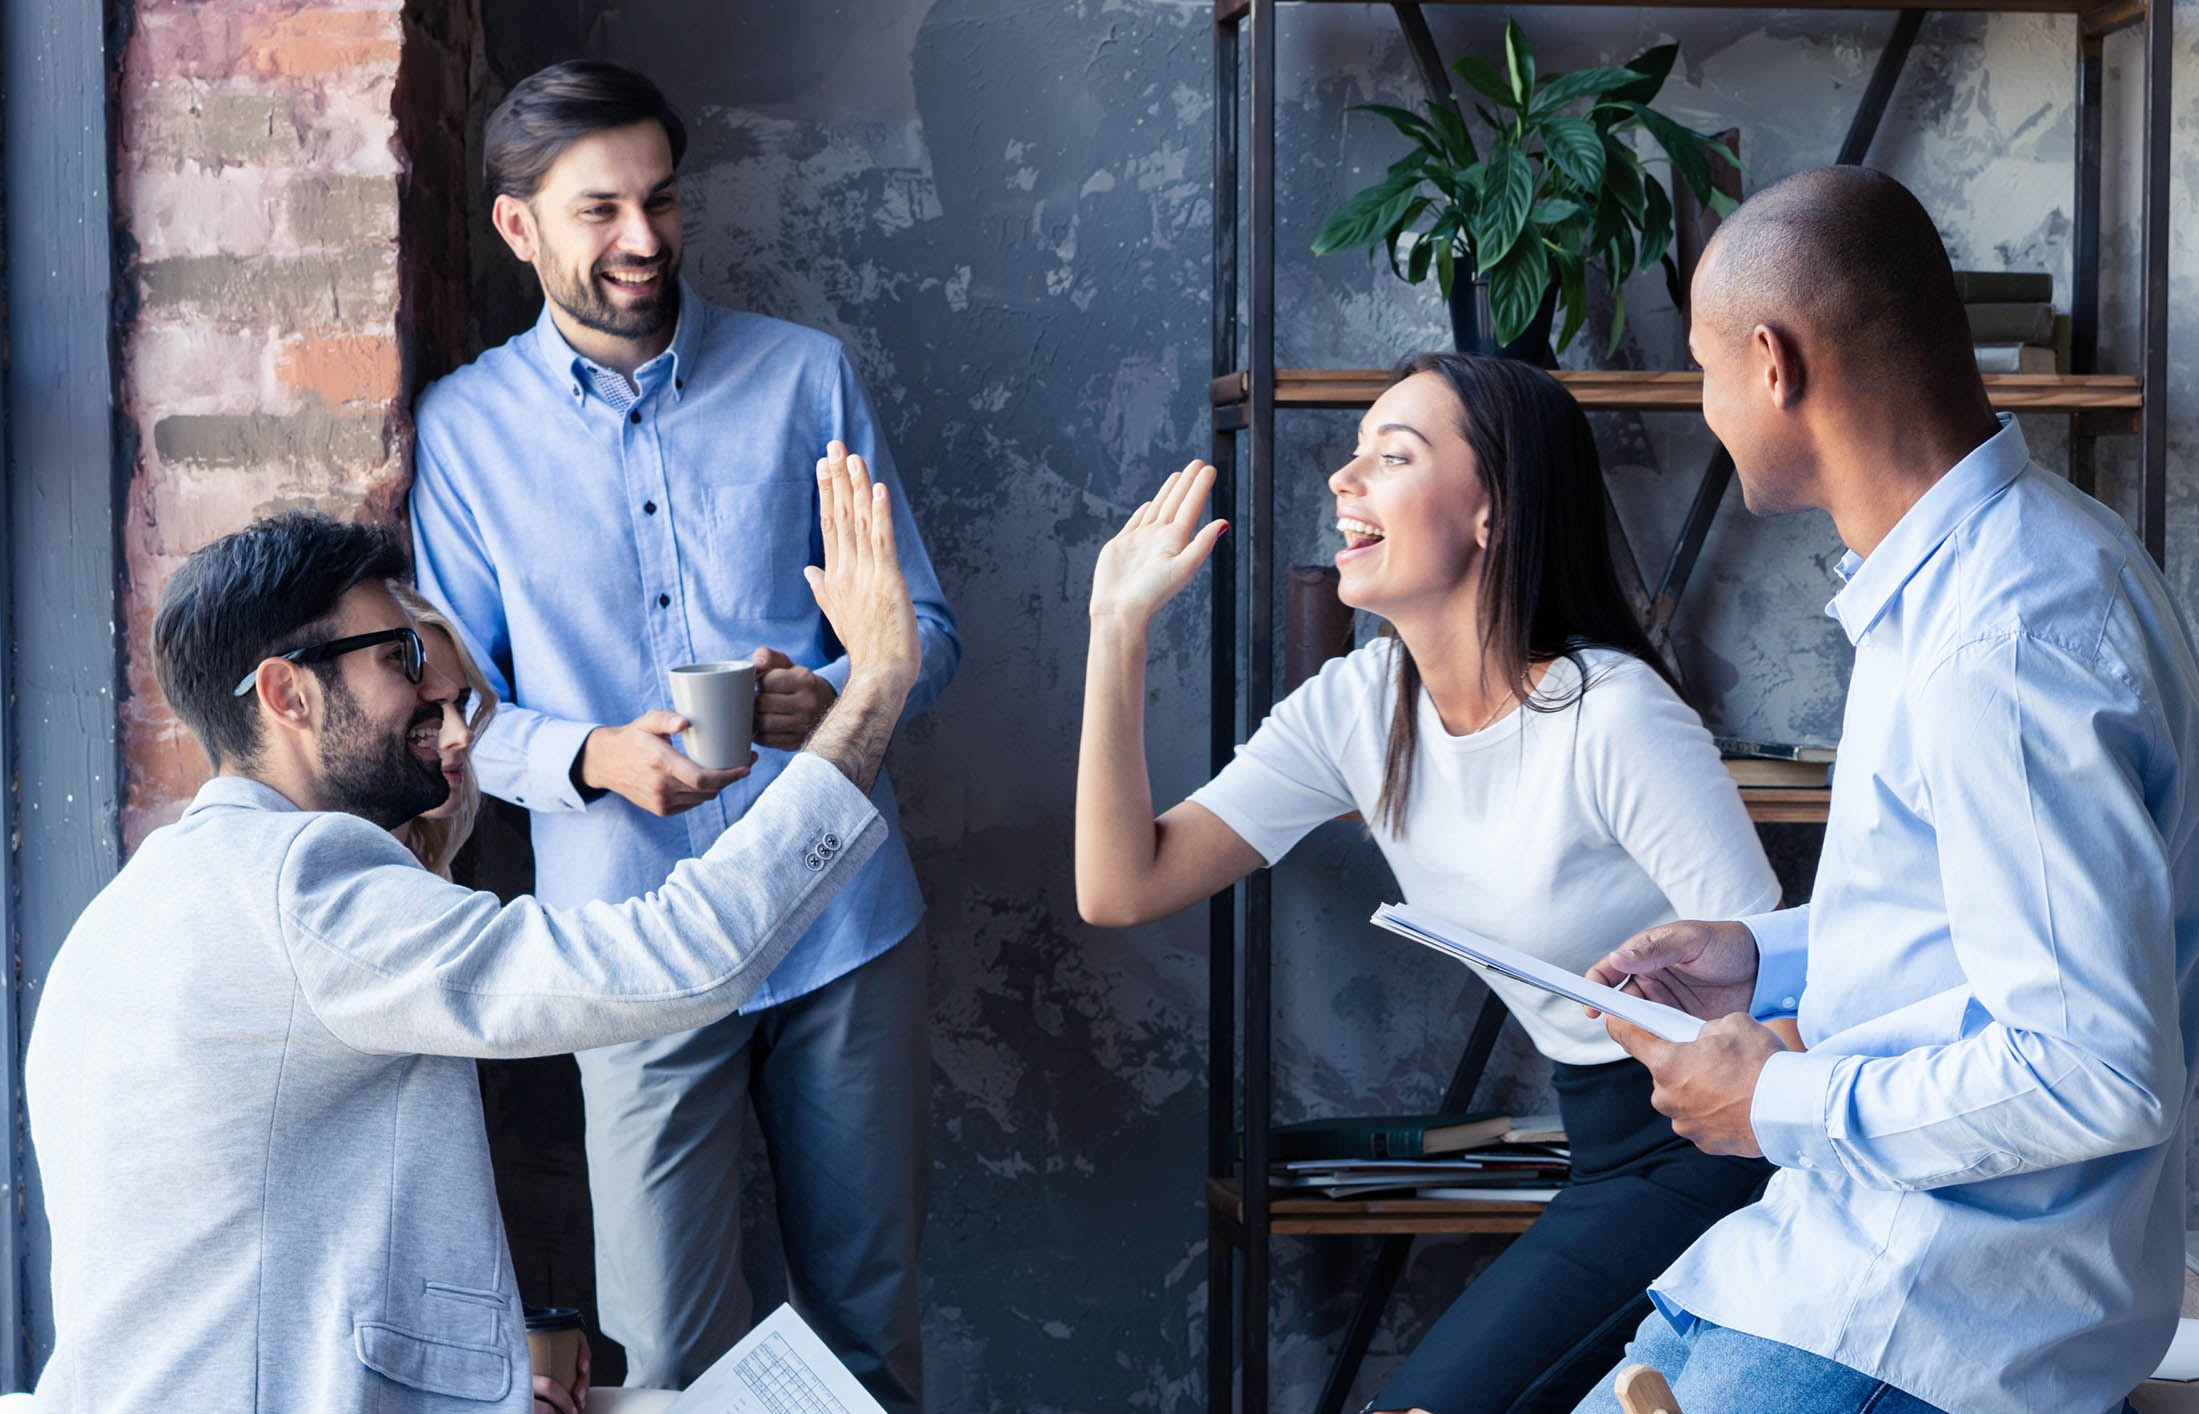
1154 556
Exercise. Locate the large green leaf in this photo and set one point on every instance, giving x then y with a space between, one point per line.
1618 320
1572 293
1446 269
1396 232
1520 61
1417 269
1411 124
1622 175
1556 211
1657 228
1361 220
1684 146
1485 80
1555 93
1575 148
1507 193
1515 289
1653 66
1458 144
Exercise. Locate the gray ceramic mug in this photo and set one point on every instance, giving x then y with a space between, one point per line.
719 702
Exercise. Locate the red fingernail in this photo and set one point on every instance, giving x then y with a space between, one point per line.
1224 530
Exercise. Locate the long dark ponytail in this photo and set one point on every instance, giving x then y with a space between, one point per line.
1548 589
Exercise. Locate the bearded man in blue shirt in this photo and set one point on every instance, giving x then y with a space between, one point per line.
625 487
1979 1204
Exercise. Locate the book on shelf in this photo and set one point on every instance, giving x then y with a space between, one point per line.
2015 358
1497 1166
1381 1137
1536 1129
1775 750
1756 773
2004 286
2011 322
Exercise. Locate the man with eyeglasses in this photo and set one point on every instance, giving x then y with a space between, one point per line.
251 1082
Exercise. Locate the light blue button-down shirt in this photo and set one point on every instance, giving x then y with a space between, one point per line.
1980 1196
586 545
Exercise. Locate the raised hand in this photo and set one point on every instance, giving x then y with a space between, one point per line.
1704 969
861 589
1154 556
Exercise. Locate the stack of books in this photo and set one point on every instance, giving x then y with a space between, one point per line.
1777 765
1471 1157
2013 327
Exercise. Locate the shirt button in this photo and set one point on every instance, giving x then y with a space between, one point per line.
648 508
830 843
634 416
663 600
815 864
1787 1003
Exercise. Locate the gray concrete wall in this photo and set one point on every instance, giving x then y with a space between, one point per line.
1004 210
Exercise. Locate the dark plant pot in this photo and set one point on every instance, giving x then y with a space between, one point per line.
1472 326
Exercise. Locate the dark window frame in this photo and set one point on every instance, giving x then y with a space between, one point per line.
62 480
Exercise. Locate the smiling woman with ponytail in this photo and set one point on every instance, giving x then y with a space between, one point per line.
1528 768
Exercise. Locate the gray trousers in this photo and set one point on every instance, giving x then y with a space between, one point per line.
841 1081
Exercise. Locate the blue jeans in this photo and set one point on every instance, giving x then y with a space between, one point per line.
1713 1369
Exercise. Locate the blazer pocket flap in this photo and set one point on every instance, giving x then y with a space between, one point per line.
481 1372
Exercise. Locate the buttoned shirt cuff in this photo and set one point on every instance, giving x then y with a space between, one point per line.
1788 1111
553 766
1782 961
836 673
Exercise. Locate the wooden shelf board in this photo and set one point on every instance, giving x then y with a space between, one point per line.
1602 390
1782 806
1297 1214
1229 11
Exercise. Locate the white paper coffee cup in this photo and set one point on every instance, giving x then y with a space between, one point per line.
719 702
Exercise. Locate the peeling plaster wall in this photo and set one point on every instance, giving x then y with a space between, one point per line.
1004 210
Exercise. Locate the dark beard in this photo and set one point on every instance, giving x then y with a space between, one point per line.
376 777
591 308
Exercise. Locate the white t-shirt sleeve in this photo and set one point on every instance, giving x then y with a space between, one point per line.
1654 778
1288 778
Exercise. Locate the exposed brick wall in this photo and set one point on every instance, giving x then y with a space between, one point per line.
290 193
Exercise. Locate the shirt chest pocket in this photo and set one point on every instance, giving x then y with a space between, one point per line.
758 540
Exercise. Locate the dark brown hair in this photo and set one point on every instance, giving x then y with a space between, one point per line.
1548 589
251 595
550 109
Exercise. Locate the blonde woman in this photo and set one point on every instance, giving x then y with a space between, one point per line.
436 837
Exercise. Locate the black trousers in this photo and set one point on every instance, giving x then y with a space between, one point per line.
1553 1313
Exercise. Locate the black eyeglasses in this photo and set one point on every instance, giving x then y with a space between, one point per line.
414 660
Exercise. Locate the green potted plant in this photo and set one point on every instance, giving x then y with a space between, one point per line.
1509 232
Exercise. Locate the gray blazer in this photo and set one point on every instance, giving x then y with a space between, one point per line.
253 1099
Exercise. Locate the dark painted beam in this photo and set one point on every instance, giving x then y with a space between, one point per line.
62 496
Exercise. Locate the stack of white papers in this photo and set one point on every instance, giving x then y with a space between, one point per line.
1447 937
781 1367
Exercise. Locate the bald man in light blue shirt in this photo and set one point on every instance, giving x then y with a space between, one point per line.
1980 1198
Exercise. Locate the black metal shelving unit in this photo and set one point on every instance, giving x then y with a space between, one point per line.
1248 391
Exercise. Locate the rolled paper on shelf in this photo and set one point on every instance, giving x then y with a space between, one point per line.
1316 624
